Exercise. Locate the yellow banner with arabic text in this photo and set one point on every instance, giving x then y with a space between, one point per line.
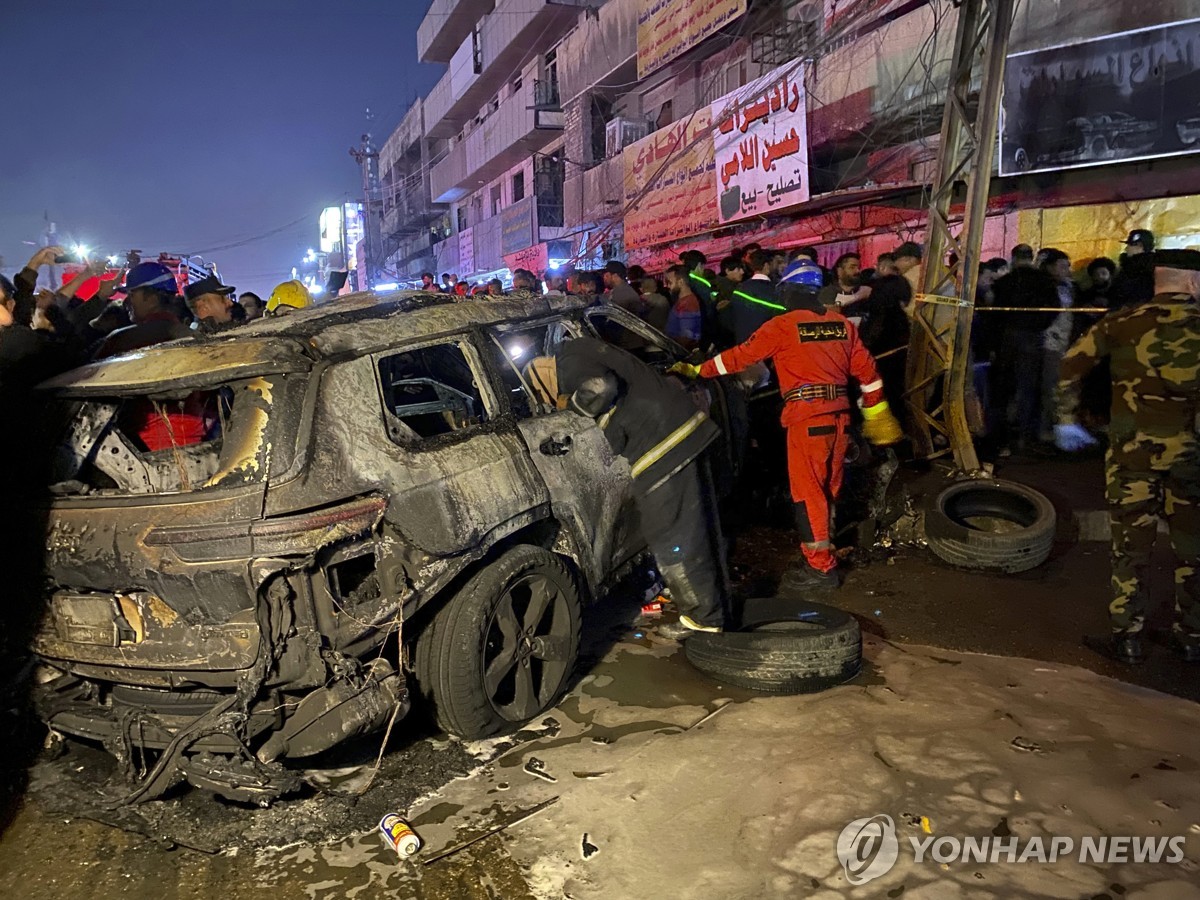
671 183
668 28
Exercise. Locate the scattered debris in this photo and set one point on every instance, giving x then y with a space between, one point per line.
495 829
1164 766
399 835
538 768
1027 745
926 825
652 610
589 849
709 716
588 776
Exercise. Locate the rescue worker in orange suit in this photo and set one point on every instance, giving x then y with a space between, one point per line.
653 423
816 355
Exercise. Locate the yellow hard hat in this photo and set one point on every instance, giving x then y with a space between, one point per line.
288 296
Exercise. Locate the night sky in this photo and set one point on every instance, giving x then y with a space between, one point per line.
183 126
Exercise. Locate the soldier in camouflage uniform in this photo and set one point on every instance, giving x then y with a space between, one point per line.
1153 471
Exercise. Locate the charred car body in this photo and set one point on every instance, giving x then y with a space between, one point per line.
254 539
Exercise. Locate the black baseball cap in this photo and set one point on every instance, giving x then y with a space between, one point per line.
616 267
209 285
1178 259
1141 237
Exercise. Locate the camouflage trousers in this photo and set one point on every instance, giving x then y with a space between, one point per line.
1137 502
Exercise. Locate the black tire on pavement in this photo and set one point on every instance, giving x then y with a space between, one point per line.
501 650
992 525
782 647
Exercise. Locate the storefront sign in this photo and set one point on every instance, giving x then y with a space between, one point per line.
670 183
516 226
1114 99
535 259
466 252
668 28
760 137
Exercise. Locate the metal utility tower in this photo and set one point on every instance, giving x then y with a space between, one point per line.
941 339
367 156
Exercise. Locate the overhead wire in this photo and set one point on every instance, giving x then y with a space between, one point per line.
856 18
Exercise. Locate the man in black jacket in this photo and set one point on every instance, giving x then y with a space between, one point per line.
1134 284
1019 362
653 423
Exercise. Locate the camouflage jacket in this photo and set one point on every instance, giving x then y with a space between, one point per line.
1154 353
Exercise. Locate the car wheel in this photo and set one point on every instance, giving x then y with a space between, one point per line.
501 650
782 647
992 525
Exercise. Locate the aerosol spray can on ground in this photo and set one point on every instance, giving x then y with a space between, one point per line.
399 835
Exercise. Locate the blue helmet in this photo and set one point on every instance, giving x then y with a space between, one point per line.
804 272
152 275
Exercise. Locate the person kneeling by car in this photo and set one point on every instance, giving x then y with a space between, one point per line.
816 353
654 425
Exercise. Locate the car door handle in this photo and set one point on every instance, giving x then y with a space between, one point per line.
556 446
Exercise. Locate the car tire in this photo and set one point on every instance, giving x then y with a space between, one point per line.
992 525
782 647
488 662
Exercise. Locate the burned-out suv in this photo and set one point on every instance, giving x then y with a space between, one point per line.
255 538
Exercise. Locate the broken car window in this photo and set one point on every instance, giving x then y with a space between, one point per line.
514 350
611 329
208 438
430 392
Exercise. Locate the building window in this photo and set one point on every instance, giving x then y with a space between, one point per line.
497 202
462 218
477 50
548 177
518 187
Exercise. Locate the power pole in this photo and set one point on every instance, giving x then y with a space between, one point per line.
367 156
941 339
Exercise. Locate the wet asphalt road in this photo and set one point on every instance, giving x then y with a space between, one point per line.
49 850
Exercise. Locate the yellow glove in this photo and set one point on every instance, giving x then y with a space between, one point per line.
687 370
880 427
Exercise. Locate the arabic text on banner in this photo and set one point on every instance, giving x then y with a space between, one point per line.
466 251
667 28
680 185
760 138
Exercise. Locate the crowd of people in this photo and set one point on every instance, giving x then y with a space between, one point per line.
45 331
703 307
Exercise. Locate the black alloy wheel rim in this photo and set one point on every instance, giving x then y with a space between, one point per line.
526 654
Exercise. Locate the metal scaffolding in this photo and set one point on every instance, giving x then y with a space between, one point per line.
938 356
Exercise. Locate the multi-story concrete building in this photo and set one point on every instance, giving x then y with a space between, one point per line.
493 130
411 225
593 129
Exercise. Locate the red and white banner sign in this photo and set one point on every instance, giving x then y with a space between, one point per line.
760 136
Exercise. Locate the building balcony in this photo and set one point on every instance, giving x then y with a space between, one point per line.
506 138
516 32
447 24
